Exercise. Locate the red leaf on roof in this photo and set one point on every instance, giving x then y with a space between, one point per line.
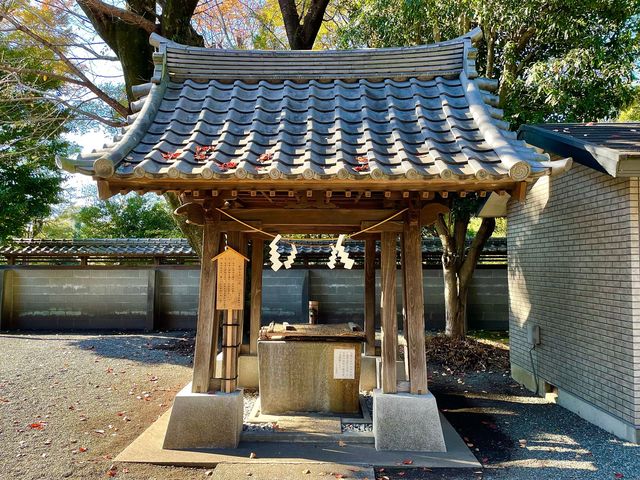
171 156
203 149
361 168
362 159
265 157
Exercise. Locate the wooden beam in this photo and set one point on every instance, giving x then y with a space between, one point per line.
519 193
104 190
306 217
204 354
391 226
414 306
389 321
257 260
370 296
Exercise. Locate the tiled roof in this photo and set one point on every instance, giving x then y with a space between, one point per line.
416 113
135 247
179 247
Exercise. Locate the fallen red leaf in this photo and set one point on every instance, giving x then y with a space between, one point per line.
407 462
37 426
83 449
619 475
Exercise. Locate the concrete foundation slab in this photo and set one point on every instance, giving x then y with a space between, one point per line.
408 422
300 472
148 448
204 420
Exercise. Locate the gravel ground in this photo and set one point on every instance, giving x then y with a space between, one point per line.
70 403
518 436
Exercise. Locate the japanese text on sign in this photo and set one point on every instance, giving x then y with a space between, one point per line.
344 364
230 283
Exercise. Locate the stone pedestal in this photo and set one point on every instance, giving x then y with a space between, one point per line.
205 420
300 376
407 422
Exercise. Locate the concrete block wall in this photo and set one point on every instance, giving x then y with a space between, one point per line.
177 298
574 270
167 297
47 299
285 296
341 293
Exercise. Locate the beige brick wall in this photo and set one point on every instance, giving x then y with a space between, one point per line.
574 271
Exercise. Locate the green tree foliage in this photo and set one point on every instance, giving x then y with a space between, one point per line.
556 60
129 216
31 129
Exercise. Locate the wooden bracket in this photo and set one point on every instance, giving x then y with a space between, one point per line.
193 211
429 213
519 192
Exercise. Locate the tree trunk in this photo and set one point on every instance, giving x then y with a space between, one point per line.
458 265
302 32
193 233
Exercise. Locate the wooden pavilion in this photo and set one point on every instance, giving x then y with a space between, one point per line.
259 143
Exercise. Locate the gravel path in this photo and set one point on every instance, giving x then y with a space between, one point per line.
518 436
70 403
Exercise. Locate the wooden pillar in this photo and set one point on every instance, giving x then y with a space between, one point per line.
389 321
230 359
370 295
403 256
257 261
414 307
6 298
205 352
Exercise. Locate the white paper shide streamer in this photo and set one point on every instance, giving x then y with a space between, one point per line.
292 256
274 256
338 251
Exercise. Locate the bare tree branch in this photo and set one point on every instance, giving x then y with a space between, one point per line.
113 103
125 15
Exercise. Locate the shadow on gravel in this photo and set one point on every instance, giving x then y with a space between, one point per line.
429 473
153 348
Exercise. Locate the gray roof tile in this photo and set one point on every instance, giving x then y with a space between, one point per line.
414 113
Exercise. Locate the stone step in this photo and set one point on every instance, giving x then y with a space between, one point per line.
306 437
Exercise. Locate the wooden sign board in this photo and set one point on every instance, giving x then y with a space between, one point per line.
230 280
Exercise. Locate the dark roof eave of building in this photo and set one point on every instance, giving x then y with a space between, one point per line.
596 157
